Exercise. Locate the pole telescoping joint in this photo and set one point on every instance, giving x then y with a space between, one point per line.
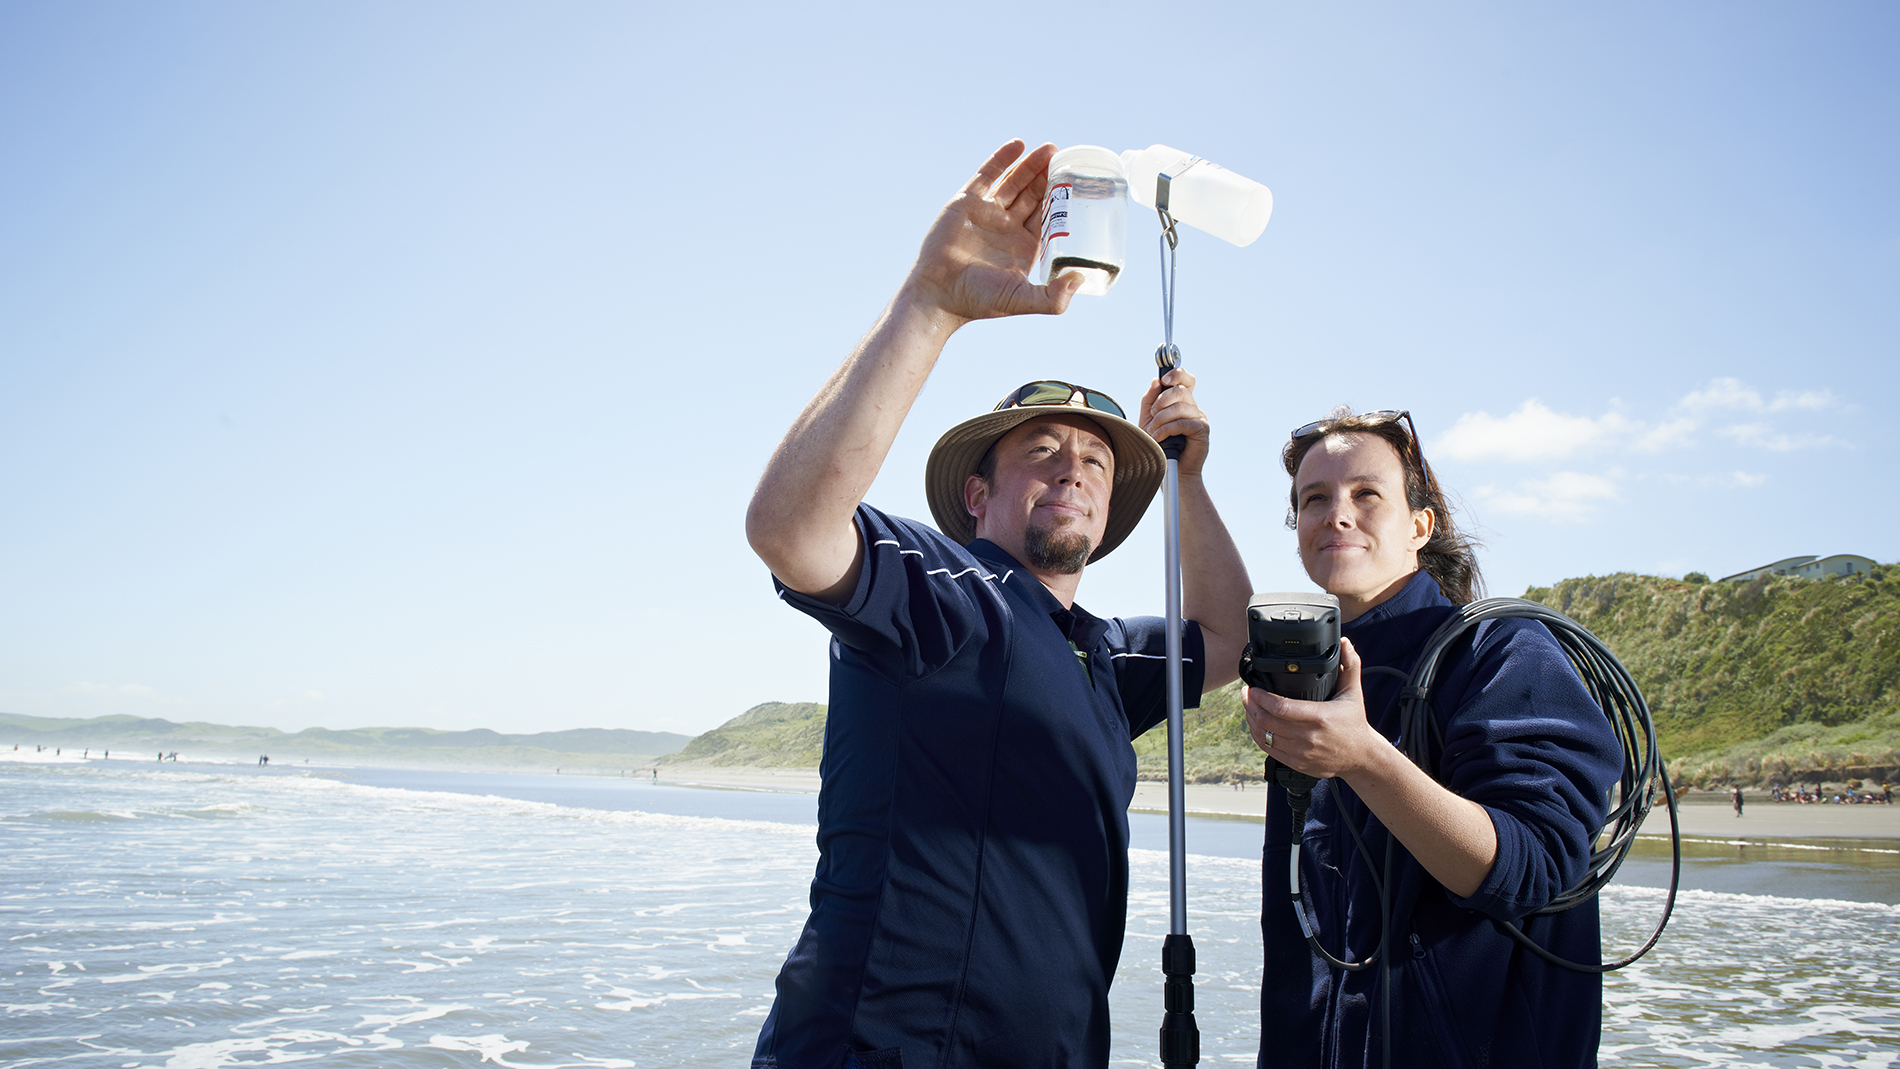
1167 358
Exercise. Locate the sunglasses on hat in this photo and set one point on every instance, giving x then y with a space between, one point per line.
1053 393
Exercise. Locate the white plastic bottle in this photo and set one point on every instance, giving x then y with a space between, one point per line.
1085 217
1201 194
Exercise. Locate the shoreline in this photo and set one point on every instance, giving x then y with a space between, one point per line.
1700 817
1704 815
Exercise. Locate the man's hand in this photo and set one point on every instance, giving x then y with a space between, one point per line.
974 265
975 259
1168 409
1214 581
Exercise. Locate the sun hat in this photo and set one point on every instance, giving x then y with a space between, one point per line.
1139 461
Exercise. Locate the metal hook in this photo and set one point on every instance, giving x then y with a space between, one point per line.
1168 234
1168 357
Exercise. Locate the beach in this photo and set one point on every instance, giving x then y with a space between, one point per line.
1701 814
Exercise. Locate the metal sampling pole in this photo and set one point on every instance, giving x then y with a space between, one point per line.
1180 1037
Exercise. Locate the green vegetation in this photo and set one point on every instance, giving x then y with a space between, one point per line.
593 749
1867 750
1215 746
787 735
1775 678
773 735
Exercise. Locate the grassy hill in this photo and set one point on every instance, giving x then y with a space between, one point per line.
1778 678
1214 743
773 735
785 735
1775 678
582 748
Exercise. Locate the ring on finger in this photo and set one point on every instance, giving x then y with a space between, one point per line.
1269 743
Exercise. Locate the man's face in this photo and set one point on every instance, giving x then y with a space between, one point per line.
1359 540
1047 504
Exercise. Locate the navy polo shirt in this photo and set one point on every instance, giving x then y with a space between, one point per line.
972 882
1517 733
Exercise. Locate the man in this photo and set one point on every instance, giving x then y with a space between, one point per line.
972 884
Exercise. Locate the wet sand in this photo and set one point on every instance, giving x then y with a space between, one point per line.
1764 819
1701 817
1711 818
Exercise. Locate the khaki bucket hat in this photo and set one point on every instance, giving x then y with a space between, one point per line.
1139 461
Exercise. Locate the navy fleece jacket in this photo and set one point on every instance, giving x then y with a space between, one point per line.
1521 737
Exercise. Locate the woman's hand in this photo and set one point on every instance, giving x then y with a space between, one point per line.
1321 739
1452 837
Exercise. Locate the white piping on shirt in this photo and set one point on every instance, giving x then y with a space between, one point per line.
1005 578
901 551
958 575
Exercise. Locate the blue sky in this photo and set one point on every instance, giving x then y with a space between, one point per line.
413 363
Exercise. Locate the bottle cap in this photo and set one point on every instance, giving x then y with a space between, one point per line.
1089 159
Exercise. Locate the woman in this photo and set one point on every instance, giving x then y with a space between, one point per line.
1522 762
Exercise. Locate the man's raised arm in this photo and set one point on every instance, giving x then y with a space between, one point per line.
974 264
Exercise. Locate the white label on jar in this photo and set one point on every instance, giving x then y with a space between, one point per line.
1055 216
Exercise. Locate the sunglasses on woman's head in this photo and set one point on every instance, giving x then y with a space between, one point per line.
1053 393
1373 419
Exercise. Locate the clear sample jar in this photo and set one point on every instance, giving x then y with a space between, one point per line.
1085 217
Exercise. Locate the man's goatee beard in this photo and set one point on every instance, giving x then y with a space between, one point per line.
1063 552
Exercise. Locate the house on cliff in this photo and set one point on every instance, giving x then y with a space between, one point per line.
1809 567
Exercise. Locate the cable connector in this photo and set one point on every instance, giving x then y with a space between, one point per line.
1299 791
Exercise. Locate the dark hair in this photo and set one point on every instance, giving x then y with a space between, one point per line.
1449 557
986 464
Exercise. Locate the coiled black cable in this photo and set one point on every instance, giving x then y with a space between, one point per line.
1614 692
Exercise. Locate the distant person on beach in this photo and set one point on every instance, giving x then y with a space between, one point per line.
1522 759
1738 800
972 882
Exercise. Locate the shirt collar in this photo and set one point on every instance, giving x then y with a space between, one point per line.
1419 592
1077 624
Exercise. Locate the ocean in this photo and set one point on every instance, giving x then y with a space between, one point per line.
200 916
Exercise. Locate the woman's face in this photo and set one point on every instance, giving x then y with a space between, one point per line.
1358 540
